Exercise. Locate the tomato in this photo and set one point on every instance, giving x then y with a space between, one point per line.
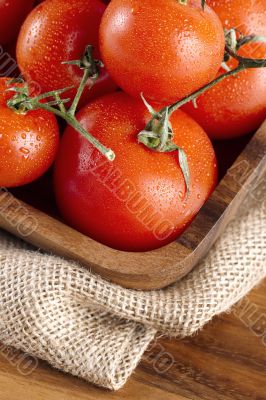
12 14
58 31
237 105
28 143
161 48
137 202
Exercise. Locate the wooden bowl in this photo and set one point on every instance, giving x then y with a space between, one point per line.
148 270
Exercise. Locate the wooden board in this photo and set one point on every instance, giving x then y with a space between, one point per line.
146 270
225 361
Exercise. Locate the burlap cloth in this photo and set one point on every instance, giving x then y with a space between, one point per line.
58 311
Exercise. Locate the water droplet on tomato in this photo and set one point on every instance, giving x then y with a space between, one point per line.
23 136
135 9
24 150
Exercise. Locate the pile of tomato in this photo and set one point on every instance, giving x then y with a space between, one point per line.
153 53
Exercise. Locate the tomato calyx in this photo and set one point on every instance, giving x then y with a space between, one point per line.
158 136
91 69
17 102
22 102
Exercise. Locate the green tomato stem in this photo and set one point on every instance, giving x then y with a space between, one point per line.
72 121
60 103
74 105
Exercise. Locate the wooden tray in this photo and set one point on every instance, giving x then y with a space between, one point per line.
148 270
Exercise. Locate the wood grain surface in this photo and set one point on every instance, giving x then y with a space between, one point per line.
153 269
225 361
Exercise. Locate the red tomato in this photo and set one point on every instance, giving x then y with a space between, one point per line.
28 143
137 202
237 105
161 48
58 31
12 14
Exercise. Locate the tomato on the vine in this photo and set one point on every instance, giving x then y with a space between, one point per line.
162 48
237 105
12 14
28 142
58 31
138 201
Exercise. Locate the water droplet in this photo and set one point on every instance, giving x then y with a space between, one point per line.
24 150
135 9
23 136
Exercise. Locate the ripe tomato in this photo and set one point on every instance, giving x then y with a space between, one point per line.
28 143
58 31
161 48
137 202
237 105
12 14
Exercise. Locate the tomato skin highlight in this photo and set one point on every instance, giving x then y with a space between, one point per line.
57 31
161 48
236 106
137 202
28 143
12 14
